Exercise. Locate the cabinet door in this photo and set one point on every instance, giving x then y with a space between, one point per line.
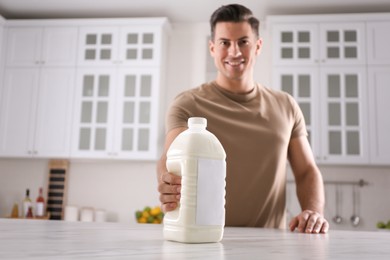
378 35
94 108
342 43
18 112
295 44
379 82
140 46
303 84
53 124
23 46
98 46
136 114
344 115
59 46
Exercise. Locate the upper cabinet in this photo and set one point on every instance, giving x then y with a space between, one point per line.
83 88
313 43
324 62
50 46
378 39
120 45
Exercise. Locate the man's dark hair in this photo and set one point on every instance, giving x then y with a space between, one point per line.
233 13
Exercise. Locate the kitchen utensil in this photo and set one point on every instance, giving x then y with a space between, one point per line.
355 219
337 218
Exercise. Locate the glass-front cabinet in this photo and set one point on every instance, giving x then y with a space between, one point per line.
318 43
344 115
116 113
120 73
322 65
139 46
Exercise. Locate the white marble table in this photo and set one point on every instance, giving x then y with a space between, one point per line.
40 239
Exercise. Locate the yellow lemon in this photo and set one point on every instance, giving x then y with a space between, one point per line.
142 220
155 211
145 214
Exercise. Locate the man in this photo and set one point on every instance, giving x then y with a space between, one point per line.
259 129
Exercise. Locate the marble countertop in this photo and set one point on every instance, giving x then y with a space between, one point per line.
42 239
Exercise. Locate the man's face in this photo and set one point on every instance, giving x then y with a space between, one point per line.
234 50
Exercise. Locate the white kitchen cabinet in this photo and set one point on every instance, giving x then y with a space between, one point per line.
121 66
378 39
379 94
83 88
320 61
36 110
38 85
311 43
38 45
344 119
120 45
333 102
116 113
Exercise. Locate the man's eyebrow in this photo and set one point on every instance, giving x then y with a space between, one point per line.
225 39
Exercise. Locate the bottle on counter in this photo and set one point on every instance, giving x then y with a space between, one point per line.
15 211
30 212
197 155
40 205
26 203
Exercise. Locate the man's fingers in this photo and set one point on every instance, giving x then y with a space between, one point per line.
170 178
293 223
309 222
304 216
168 206
164 188
325 227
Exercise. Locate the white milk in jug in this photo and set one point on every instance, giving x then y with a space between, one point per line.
197 156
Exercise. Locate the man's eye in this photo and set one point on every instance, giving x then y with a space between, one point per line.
244 42
224 43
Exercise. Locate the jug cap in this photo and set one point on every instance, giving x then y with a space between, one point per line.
197 122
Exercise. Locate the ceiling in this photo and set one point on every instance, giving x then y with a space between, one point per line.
178 11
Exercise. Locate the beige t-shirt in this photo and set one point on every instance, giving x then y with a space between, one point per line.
255 130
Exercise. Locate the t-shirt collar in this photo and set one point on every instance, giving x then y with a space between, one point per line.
237 97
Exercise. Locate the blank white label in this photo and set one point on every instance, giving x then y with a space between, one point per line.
210 209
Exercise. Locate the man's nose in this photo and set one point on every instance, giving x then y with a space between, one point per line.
234 50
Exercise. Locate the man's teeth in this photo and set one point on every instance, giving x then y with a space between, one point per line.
234 63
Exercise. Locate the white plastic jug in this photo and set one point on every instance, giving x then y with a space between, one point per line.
197 156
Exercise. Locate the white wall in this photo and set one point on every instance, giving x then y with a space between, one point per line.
121 188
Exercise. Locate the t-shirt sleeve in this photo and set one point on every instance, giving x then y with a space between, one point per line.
299 126
181 108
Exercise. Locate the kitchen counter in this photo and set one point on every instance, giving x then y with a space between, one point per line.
42 239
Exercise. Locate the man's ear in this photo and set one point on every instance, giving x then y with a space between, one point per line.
211 48
259 46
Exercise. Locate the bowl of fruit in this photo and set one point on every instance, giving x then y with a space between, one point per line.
381 225
149 215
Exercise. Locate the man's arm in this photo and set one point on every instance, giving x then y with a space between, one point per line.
169 185
310 188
